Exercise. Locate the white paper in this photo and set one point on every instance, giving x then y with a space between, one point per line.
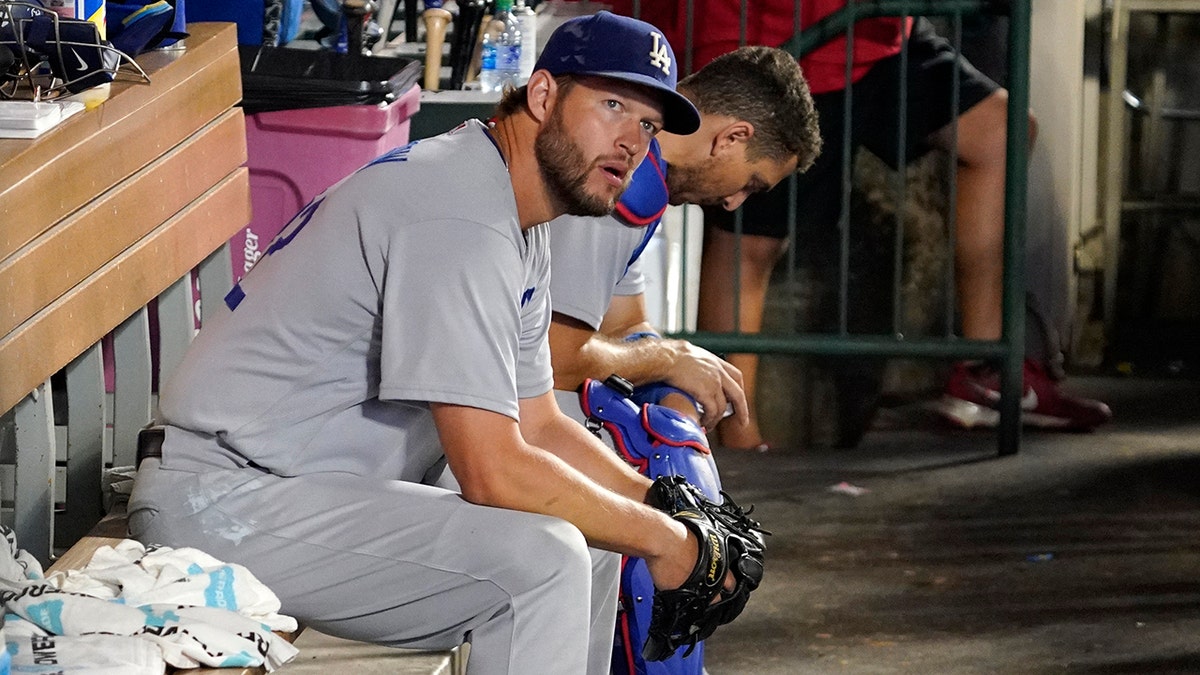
27 119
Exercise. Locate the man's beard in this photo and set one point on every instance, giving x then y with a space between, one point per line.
565 172
684 183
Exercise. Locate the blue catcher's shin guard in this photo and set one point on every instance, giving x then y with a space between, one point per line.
660 442
655 439
633 624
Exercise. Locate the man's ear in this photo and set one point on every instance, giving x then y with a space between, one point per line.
730 135
541 91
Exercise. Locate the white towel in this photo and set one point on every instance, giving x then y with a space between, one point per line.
131 610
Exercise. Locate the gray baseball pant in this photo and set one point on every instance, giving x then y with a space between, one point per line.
398 563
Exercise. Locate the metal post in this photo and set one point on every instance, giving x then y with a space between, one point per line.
1012 380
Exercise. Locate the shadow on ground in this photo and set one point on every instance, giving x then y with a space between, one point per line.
1079 554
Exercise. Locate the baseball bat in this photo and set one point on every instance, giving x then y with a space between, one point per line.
477 51
436 19
466 32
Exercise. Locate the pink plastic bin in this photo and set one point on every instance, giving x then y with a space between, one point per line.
293 155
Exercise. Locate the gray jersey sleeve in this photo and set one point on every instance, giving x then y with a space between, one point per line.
589 259
634 280
375 301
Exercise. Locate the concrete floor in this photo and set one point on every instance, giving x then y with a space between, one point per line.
1078 555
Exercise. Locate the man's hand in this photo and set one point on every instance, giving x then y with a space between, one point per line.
728 568
671 569
579 351
715 383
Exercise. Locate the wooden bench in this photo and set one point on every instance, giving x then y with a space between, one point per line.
102 221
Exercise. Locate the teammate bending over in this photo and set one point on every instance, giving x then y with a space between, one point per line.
757 126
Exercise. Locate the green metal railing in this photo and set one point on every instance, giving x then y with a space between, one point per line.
1009 349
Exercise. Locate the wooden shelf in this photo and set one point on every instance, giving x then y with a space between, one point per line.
100 214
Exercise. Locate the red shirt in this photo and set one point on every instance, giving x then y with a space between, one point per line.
717 29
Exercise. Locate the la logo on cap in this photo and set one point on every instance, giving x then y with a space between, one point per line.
659 56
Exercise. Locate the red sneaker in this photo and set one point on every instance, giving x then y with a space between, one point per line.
972 399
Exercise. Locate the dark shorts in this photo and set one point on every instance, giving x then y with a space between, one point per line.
875 125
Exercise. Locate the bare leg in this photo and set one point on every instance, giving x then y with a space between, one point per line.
716 312
979 231
979 268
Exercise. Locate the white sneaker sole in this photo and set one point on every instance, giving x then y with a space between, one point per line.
971 415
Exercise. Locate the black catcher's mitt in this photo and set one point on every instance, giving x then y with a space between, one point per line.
730 541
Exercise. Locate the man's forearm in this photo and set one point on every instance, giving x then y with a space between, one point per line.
639 361
578 447
496 466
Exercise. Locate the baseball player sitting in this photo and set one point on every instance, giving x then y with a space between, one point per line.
757 126
399 322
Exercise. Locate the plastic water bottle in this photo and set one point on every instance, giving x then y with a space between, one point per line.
528 21
501 53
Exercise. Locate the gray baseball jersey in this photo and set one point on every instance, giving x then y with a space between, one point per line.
374 301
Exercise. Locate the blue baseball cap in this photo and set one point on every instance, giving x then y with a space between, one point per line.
609 45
